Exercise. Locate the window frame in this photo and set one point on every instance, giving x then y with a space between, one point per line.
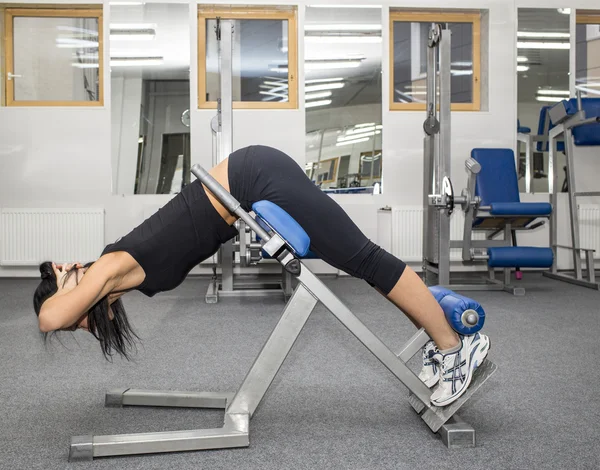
587 17
54 11
439 17
208 12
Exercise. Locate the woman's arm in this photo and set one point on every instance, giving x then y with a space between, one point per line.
112 272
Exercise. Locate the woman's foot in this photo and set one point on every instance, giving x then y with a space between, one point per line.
430 373
456 368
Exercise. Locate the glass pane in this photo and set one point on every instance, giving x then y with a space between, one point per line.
542 80
55 59
343 99
410 62
150 95
588 59
260 61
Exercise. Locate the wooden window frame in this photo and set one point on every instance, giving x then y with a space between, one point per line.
439 17
250 13
336 162
587 17
370 152
54 11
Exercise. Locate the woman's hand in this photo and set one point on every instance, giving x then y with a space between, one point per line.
61 272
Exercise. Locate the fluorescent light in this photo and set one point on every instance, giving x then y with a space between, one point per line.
360 130
357 136
141 140
458 73
270 93
543 45
323 80
342 27
342 39
135 62
522 59
89 65
332 64
554 92
462 64
542 35
72 43
325 86
564 11
312 104
320 94
132 31
416 93
522 68
73 29
276 84
350 142
345 6
365 124
549 99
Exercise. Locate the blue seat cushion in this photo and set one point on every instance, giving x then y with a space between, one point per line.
522 129
497 181
520 256
506 209
273 217
589 134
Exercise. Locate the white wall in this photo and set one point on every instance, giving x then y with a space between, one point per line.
61 157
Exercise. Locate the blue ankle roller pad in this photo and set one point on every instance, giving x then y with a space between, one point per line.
272 217
454 305
588 135
522 256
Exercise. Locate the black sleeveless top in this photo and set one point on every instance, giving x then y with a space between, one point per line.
186 231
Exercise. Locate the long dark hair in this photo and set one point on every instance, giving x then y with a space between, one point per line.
114 335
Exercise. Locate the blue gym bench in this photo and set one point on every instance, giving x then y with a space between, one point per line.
495 208
283 239
577 122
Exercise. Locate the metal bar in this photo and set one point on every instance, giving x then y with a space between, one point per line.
571 280
228 200
413 345
135 397
226 85
570 157
552 189
274 352
588 193
365 336
226 251
589 262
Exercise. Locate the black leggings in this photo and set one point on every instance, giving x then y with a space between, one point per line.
260 173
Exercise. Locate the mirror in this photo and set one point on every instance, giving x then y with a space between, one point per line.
587 52
150 88
342 94
543 46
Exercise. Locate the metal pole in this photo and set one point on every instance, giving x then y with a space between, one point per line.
225 40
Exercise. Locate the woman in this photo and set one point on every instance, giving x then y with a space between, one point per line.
158 254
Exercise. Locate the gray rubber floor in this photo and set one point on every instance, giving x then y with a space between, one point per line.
332 406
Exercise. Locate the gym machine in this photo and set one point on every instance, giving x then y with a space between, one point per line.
247 248
577 121
501 216
285 240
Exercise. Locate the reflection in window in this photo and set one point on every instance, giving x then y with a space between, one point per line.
588 54
150 99
409 48
56 60
343 98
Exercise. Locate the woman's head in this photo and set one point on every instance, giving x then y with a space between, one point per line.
107 323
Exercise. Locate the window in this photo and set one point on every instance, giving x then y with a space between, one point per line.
264 57
409 32
587 52
53 57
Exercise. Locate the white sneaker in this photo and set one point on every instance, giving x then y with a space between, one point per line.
457 368
430 373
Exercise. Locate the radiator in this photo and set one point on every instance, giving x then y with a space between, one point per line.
31 236
589 227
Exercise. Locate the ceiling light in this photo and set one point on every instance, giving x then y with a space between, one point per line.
549 99
462 64
270 93
357 136
542 35
312 104
332 64
276 84
342 27
554 92
342 39
323 80
522 68
324 86
73 29
320 94
458 73
360 129
543 45
72 43
522 59
135 61
564 11
350 142
132 31
366 124
88 65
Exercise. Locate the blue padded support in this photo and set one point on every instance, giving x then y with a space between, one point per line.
541 146
454 305
506 209
520 256
309 255
589 134
275 218
497 181
522 129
